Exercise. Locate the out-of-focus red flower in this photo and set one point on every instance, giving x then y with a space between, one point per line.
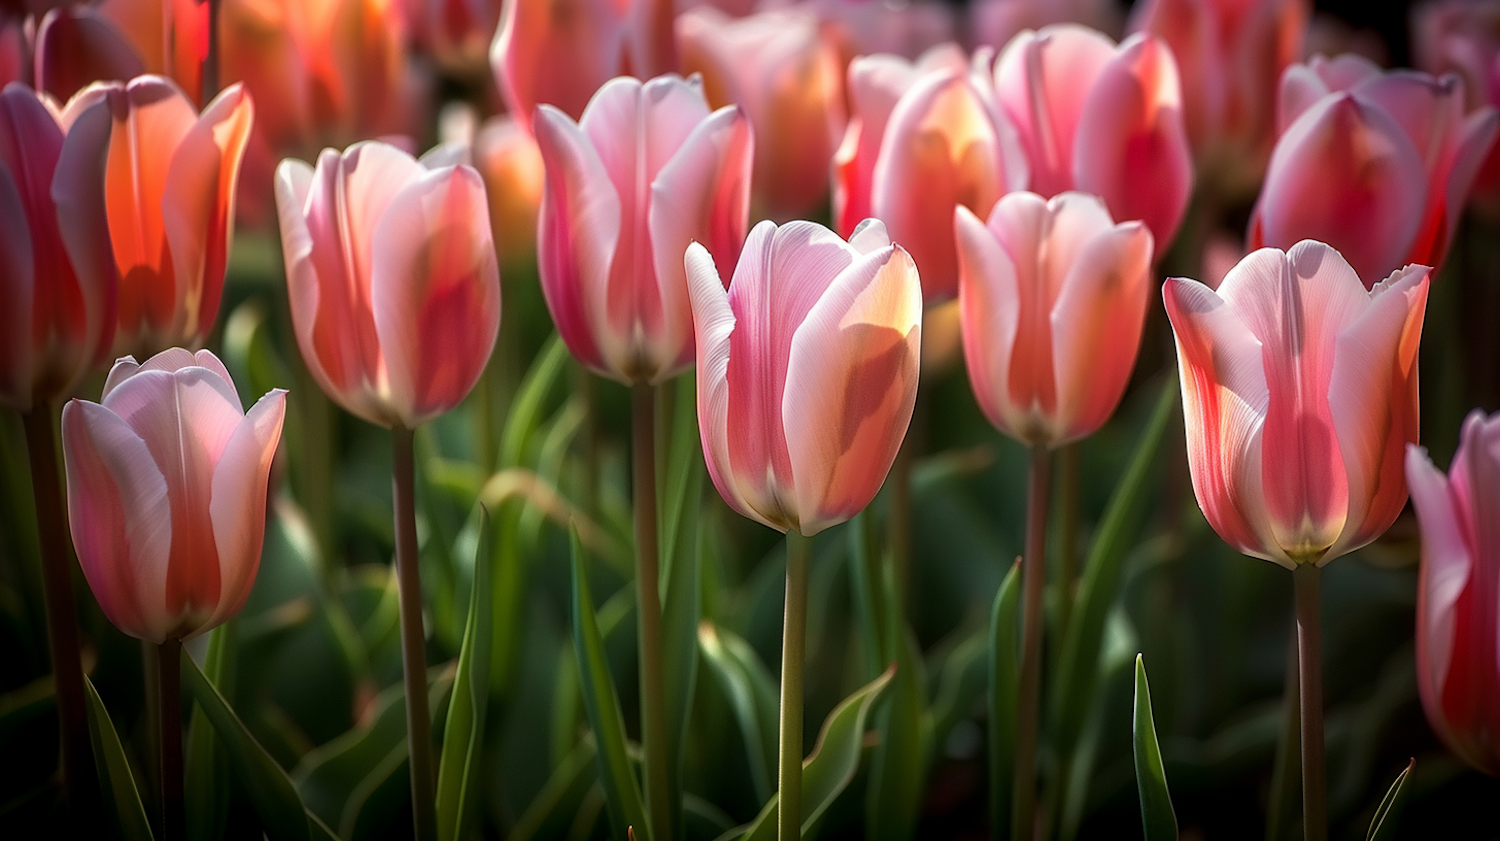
117 40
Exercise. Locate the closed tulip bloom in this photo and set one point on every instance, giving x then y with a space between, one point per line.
1458 592
1463 37
807 370
391 272
779 68
57 276
1053 299
646 171
1299 391
167 492
1102 119
1376 164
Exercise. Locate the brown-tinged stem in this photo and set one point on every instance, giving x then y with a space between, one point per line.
210 75
591 433
57 589
169 726
1286 777
1305 584
648 615
413 655
1067 537
793 657
1028 704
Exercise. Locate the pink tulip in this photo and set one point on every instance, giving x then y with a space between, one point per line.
993 23
1053 299
646 171
1299 391
1101 119
787 77
391 271
1231 54
868 27
1463 37
1458 594
925 137
167 492
57 277
117 40
807 370
170 185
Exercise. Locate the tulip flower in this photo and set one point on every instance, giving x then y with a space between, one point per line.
118 40
993 23
510 163
1101 119
869 27
14 50
1458 592
1053 298
170 185
647 170
1463 37
1376 164
456 33
777 66
1231 55
394 286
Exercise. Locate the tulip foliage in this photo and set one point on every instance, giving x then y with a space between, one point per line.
716 420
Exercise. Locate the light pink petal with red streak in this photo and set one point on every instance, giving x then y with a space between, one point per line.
78 191
990 307
1446 568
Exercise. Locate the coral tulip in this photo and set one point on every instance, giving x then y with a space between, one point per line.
57 287
1463 37
167 492
1299 392
646 171
1458 593
170 186
1376 164
1101 119
807 370
511 164
392 275
1053 298
788 78
117 40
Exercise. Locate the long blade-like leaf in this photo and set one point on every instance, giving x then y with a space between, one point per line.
1381 826
898 768
1005 681
463 734
115 779
752 695
206 765
1157 816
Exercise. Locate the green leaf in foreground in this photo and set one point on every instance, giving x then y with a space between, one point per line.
206 765
1005 679
752 694
115 779
463 735
1378 826
1157 817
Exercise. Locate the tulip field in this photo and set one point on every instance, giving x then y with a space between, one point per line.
749 420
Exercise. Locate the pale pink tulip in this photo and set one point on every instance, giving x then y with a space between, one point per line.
646 171
1102 119
117 40
1376 164
1299 391
1458 592
807 370
787 77
1463 37
170 185
167 492
392 275
57 277
1053 298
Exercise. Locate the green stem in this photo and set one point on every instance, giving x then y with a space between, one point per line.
1028 704
793 658
169 725
1067 537
899 525
413 656
591 434
648 626
1305 583
57 589
1285 775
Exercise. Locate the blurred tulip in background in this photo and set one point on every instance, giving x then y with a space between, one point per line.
1463 37
118 40
993 23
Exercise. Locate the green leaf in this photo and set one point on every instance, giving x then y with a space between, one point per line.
556 804
205 763
115 780
1378 828
864 580
622 794
275 799
753 697
1005 680
1157 817
463 735
830 767
898 768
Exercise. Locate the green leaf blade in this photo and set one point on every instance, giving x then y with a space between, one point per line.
463 737
1157 816
116 781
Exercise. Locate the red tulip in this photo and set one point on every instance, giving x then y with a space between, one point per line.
1458 593
807 370
118 40
391 270
646 171
1101 119
57 277
167 492
1299 392
1376 164
1053 299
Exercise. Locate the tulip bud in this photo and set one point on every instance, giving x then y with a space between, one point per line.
1299 392
167 492
646 171
391 271
807 370
1458 592
1053 298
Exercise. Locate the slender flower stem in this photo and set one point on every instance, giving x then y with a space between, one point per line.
413 657
1305 582
169 677
899 524
1067 537
1286 776
793 657
57 589
1028 704
210 74
648 626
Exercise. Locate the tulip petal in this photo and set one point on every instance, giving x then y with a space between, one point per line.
557 52
17 294
79 193
1476 139
875 84
1446 569
77 45
989 300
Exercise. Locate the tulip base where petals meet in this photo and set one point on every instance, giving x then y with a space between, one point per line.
793 659
1033 586
413 654
1306 584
